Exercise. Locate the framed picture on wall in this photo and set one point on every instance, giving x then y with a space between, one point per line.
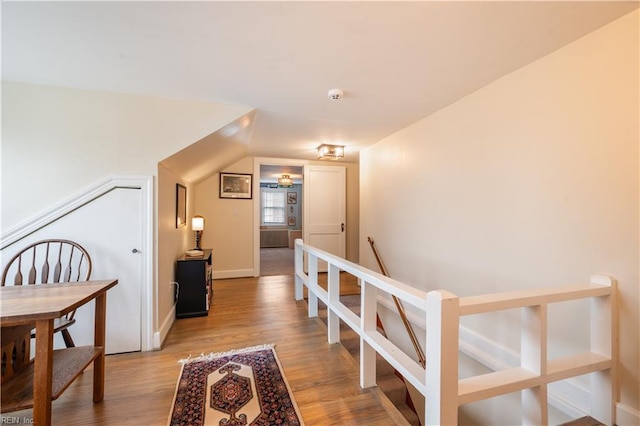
235 185
292 197
181 205
292 221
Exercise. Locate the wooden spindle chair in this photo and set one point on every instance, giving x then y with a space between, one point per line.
70 261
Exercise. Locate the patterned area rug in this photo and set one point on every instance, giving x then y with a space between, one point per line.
240 387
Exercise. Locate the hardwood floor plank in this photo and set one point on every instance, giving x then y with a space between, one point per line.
139 387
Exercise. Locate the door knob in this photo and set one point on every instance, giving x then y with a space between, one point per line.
342 226
135 251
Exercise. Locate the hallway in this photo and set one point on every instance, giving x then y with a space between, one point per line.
139 387
276 261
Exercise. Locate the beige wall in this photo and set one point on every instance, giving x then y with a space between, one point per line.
230 224
531 181
172 242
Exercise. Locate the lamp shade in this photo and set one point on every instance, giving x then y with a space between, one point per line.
197 223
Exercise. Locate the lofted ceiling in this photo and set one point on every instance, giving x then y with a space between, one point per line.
397 62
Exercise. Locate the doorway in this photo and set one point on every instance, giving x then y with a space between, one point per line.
280 212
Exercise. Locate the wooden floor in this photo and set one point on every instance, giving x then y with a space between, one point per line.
245 312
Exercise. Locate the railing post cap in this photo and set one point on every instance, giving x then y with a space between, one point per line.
602 280
440 295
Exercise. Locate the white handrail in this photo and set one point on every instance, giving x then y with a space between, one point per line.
439 382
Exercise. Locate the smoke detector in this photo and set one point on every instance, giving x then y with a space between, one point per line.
335 94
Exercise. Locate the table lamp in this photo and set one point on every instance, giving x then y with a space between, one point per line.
197 225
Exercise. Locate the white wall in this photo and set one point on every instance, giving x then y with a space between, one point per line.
56 141
531 181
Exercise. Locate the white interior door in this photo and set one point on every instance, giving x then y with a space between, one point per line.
324 209
109 227
111 242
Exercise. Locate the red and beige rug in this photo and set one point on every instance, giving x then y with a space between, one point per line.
239 387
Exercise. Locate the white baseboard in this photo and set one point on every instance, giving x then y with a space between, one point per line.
568 396
234 273
161 334
486 351
627 416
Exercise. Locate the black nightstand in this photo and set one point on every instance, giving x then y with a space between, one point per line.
195 285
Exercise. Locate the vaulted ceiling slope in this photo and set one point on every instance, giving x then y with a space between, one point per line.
397 62
214 152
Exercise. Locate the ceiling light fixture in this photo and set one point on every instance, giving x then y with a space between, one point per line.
285 181
330 152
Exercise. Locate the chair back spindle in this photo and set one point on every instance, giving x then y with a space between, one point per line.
57 271
32 271
18 278
67 271
71 263
45 265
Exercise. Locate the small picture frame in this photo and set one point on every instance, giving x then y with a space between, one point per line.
292 221
181 205
292 197
236 185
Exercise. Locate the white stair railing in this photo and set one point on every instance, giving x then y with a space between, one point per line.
439 382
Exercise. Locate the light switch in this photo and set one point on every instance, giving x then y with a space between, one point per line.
236 212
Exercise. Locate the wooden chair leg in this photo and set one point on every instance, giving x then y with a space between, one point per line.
68 341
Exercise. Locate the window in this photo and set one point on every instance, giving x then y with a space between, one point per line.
273 206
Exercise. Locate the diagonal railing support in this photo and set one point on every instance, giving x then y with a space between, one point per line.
403 315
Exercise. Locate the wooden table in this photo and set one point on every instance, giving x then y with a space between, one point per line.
43 380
